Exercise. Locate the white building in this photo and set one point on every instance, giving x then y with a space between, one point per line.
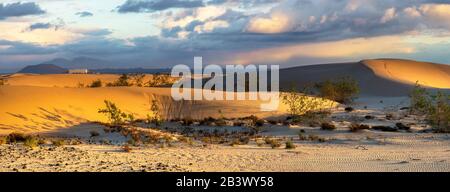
78 71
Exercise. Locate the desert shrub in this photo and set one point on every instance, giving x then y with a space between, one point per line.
420 100
355 127
115 115
94 133
58 142
435 107
275 144
137 79
290 145
31 142
96 83
155 118
342 90
160 80
439 115
122 81
300 103
16 137
328 126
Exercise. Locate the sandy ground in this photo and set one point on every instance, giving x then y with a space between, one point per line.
399 152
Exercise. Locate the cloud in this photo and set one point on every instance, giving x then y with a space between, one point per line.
39 26
84 14
136 6
97 32
275 23
19 9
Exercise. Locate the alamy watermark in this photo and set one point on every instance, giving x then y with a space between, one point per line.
249 82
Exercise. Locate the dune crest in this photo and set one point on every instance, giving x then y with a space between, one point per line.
409 72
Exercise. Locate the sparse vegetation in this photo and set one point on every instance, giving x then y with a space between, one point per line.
342 90
137 79
436 107
115 115
31 142
160 80
290 145
97 83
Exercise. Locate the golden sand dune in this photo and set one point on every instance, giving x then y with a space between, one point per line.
409 72
39 109
59 80
383 77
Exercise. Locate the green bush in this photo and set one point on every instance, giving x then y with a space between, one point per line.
342 90
290 145
299 103
421 100
31 142
439 115
436 107
115 115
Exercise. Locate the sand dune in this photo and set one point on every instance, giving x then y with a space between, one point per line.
396 79
37 109
409 72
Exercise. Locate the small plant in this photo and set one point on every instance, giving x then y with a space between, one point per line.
420 100
328 126
155 118
342 90
114 114
290 145
96 83
31 142
94 133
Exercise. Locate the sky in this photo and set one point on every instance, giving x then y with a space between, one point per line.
164 33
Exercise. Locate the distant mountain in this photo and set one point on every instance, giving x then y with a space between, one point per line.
80 63
130 70
43 69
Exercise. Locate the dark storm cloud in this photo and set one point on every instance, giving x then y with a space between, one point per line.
84 14
137 6
19 9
